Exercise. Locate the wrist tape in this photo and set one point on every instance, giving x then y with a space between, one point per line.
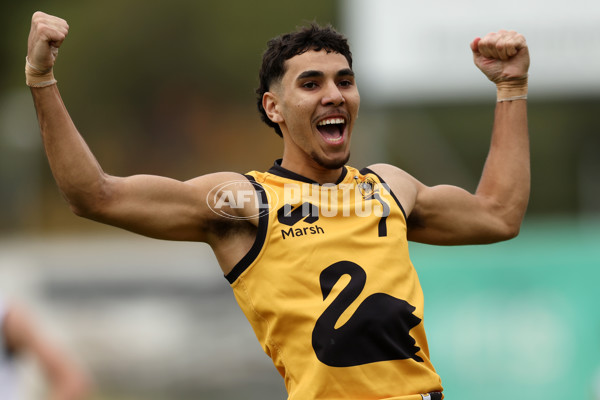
35 77
513 89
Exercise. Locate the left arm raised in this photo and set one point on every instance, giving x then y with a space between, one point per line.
449 215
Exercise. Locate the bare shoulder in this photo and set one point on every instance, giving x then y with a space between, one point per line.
227 194
401 183
217 177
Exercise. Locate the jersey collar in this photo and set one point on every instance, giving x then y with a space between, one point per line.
278 170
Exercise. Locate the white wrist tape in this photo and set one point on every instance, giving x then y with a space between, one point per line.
521 97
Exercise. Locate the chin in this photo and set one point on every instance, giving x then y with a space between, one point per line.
332 163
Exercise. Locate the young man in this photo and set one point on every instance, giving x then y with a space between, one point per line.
315 251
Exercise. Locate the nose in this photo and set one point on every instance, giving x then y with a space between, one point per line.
332 96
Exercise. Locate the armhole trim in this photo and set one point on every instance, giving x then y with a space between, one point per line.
261 234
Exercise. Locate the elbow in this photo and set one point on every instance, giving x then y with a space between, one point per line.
509 227
501 232
88 203
511 231
82 209
506 213
508 222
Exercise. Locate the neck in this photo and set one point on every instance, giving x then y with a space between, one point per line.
312 170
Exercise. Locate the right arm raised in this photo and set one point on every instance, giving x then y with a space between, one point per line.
154 206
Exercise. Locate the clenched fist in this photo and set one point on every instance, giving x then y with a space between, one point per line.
45 37
503 57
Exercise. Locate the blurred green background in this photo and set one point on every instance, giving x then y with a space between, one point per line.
167 87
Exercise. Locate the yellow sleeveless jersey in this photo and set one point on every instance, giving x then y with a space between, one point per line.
330 290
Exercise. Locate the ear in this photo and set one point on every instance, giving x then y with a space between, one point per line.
270 103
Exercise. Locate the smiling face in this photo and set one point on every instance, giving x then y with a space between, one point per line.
315 104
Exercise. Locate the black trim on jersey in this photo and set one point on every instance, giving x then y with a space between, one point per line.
278 170
261 234
366 170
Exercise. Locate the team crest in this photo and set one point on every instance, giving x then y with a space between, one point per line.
366 187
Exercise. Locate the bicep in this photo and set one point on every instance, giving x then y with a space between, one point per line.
449 215
445 214
156 206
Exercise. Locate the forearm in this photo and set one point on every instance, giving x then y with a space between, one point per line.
75 169
505 181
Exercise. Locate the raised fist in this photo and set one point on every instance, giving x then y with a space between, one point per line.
501 56
45 37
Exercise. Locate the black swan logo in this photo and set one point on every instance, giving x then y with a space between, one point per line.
377 331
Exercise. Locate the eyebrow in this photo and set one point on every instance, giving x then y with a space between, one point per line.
320 74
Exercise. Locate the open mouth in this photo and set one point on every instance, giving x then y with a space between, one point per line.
332 129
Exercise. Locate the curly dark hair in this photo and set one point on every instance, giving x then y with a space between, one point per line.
286 46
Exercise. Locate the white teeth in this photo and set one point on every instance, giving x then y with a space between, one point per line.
332 121
334 140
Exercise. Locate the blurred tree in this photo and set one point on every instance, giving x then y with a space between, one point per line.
157 86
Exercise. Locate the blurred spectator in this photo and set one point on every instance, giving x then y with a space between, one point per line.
19 336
